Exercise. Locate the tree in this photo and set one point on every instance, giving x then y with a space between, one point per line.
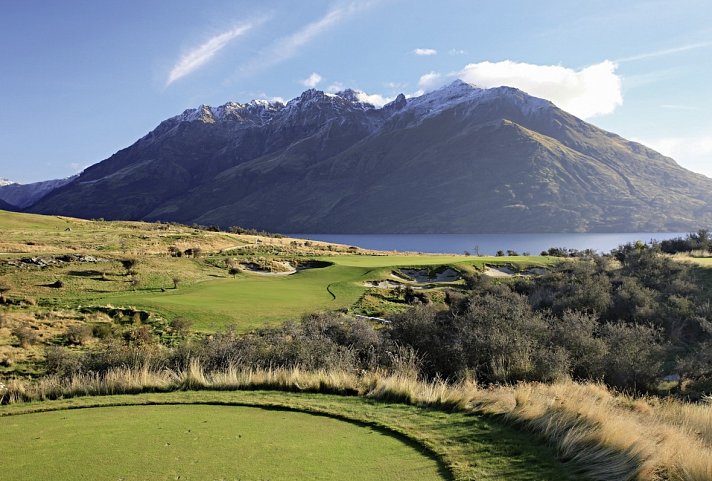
234 271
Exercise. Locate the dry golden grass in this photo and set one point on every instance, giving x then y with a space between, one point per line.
610 435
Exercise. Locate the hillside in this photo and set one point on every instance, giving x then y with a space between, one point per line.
24 195
457 160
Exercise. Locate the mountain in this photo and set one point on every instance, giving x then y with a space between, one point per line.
4 182
456 160
24 195
5 206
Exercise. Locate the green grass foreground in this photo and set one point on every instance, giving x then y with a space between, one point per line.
204 442
217 437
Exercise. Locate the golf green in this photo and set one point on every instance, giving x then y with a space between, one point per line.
202 442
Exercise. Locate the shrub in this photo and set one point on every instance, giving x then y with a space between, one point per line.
129 265
102 330
636 356
62 361
140 335
26 336
181 325
79 334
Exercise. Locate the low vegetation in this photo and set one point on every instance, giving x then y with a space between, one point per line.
606 357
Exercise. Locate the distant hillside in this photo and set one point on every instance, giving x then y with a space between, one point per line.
24 195
457 160
5 206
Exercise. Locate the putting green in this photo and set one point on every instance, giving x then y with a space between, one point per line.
201 442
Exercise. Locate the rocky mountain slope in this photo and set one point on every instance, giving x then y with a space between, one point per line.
457 160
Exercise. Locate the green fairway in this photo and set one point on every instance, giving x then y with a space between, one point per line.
202 442
252 300
213 435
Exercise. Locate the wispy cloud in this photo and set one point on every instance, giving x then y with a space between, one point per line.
693 151
200 55
456 51
335 87
312 80
425 51
680 107
395 85
289 46
665 51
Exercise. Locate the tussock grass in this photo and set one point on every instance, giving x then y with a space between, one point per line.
609 436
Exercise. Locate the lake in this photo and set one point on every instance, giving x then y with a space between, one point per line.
488 244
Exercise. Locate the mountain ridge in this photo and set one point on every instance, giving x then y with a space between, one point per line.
459 159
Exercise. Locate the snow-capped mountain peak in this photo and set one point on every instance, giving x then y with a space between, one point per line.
4 181
317 104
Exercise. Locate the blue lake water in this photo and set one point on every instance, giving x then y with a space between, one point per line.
488 244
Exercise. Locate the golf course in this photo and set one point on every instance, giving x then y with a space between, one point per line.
258 435
201 288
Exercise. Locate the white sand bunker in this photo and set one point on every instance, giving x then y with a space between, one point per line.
426 275
499 272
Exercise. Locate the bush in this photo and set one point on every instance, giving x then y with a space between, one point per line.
636 356
26 336
577 333
129 264
78 334
181 325
102 330
62 361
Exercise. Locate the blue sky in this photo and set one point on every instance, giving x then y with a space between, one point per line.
83 79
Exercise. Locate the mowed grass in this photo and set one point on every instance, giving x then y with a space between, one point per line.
213 437
250 301
202 442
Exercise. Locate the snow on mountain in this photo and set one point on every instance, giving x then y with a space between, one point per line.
324 104
4 182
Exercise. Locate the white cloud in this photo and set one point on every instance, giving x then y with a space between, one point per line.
77 167
425 51
375 99
312 80
395 85
200 55
430 80
591 91
287 47
335 87
456 51
692 152
665 51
